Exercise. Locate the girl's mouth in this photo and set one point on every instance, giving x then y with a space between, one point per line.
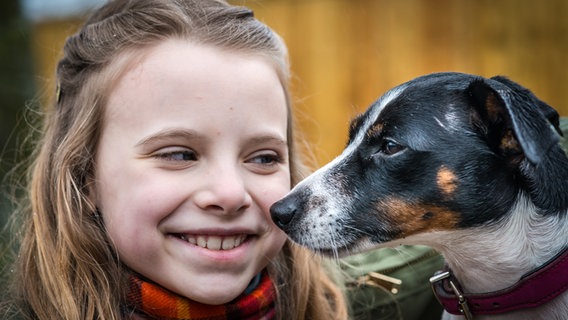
214 242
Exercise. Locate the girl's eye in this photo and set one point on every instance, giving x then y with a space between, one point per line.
265 162
390 147
178 155
265 159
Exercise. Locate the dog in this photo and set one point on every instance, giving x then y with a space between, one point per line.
470 166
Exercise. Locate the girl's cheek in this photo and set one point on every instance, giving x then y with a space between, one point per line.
279 240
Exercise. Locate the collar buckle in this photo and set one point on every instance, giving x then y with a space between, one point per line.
462 301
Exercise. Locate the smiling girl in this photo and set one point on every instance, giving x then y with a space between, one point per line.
170 137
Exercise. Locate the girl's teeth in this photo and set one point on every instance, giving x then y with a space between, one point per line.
229 243
202 241
215 242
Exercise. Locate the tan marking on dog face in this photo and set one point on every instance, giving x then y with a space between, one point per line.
415 218
375 130
446 180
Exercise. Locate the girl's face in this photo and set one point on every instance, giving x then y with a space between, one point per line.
193 152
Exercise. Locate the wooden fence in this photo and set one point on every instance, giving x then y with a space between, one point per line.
346 53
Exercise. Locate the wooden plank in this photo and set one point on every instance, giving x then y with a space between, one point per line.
346 53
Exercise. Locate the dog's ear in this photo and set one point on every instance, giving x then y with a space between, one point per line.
505 105
548 112
522 126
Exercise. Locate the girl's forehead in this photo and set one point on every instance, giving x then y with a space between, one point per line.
194 65
181 83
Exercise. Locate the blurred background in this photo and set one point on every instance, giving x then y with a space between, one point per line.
344 55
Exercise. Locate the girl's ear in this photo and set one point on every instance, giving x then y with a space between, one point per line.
522 126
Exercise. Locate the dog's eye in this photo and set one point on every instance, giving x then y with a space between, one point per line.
390 147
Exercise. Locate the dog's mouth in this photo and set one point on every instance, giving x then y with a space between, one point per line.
335 250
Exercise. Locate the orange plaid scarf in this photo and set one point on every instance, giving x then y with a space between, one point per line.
154 302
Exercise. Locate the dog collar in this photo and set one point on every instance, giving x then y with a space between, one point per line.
532 290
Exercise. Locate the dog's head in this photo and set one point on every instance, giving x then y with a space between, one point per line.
441 152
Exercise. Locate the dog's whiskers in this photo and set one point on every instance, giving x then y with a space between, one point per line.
333 243
357 230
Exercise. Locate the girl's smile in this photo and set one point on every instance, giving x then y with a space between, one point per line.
192 154
212 242
227 245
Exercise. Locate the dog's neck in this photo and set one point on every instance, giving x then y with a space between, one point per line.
486 259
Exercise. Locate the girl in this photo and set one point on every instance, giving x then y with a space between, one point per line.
169 139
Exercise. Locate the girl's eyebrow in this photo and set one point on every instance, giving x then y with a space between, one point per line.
168 134
268 139
186 134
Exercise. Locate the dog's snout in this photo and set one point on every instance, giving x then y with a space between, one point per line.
283 211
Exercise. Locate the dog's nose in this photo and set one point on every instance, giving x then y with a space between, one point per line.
283 211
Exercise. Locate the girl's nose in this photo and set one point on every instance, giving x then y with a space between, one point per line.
223 191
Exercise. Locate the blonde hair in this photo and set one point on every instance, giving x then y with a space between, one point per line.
67 268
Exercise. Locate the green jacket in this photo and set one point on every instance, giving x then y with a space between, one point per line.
564 127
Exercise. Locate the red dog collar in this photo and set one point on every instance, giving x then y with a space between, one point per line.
534 289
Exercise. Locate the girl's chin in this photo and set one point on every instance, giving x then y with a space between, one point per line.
217 292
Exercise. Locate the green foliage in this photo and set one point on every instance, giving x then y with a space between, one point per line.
16 88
